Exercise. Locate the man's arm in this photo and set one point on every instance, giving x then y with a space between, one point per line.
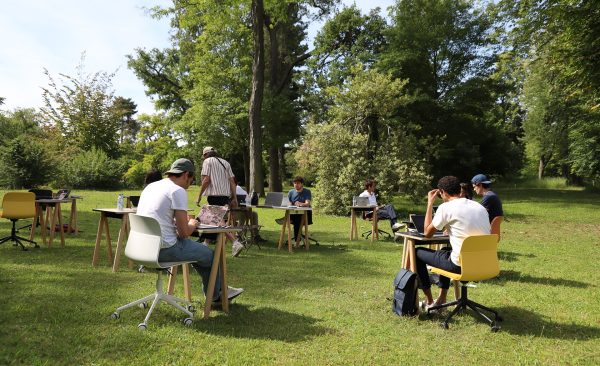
185 226
429 228
232 185
203 186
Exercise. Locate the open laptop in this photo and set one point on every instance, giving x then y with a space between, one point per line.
360 201
273 199
419 224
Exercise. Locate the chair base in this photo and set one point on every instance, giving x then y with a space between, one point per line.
462 304
156 298
368 233
16 238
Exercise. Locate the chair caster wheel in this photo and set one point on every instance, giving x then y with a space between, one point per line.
188 322
191 308
142 326
115 315
495 328
143 305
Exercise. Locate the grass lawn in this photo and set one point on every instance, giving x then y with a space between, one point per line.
322 307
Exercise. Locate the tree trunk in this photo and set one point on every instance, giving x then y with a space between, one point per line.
274 177
258 82
282 165
542 167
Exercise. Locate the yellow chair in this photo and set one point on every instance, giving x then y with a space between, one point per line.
17 206
479 261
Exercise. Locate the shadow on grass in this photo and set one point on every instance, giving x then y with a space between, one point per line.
521 321
512 256
515 276
263 323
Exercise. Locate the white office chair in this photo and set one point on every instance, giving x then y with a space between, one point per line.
143 247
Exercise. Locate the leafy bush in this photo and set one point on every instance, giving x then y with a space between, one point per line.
24 163
91 170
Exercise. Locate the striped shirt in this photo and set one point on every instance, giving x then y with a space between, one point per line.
219 172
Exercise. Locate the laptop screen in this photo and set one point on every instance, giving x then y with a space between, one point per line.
63 193
419 222
273 198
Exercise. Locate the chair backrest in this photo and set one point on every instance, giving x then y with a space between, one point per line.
144 241
41 193
496 225
18 205
479 257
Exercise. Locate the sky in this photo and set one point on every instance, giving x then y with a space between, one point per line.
54 34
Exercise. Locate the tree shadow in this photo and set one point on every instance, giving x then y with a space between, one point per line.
263 323
519 321
515 276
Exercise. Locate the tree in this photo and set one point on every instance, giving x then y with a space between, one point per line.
81 108
125 108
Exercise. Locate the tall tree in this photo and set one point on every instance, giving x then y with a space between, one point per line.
125 108
256 97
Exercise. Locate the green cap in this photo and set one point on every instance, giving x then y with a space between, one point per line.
180 166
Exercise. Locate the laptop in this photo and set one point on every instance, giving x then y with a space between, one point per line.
63 193
419 224
273 199
360 201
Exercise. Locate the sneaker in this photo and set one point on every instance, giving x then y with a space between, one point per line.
397 226
236 249
232 293
279 221
205 243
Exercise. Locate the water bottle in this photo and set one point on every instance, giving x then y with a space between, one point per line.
248 199
120 204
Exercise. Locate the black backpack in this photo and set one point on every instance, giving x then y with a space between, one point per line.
405 293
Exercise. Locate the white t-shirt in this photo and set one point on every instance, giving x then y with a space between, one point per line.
461 217
239 191
372 198
159 200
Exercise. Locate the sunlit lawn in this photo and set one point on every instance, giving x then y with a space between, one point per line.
325 306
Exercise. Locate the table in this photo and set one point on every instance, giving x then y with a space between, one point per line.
105 214
287 226
53 213
409 259
73 217
374 222
219 260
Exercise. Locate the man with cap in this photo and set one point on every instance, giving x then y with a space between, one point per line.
219 186
166 201
491 201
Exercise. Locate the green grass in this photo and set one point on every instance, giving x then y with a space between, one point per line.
322 307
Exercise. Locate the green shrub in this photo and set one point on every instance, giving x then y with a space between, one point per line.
24 163
91 170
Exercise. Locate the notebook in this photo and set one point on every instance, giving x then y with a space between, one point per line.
419 223
63 193
212 215
273 199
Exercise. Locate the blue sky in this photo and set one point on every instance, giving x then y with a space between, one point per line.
53 34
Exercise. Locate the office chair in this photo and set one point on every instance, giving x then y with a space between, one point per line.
368 233
17 206
479 261
143 247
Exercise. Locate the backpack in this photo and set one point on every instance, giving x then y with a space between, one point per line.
405 293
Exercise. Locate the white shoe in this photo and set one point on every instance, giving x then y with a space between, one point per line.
232 293
397 226
236 249
205 243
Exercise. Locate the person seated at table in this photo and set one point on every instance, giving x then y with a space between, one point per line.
489 200
466 191
301 197
384 212
461 218
153 175
166 201
239 191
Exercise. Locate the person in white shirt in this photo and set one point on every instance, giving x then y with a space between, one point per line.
166 201
460 217
239 191
384 212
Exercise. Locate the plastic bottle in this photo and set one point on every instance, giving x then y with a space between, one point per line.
120 204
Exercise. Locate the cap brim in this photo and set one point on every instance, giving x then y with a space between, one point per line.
174 171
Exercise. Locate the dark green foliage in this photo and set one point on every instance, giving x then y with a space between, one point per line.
91 169
23 163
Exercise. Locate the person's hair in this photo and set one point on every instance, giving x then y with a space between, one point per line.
177 175
466 190
298 179
210 154
450 184
152 176
369 183
486 185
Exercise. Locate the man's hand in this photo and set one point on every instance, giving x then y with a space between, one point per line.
198 201
432 195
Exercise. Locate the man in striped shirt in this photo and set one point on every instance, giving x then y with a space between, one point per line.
218 185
